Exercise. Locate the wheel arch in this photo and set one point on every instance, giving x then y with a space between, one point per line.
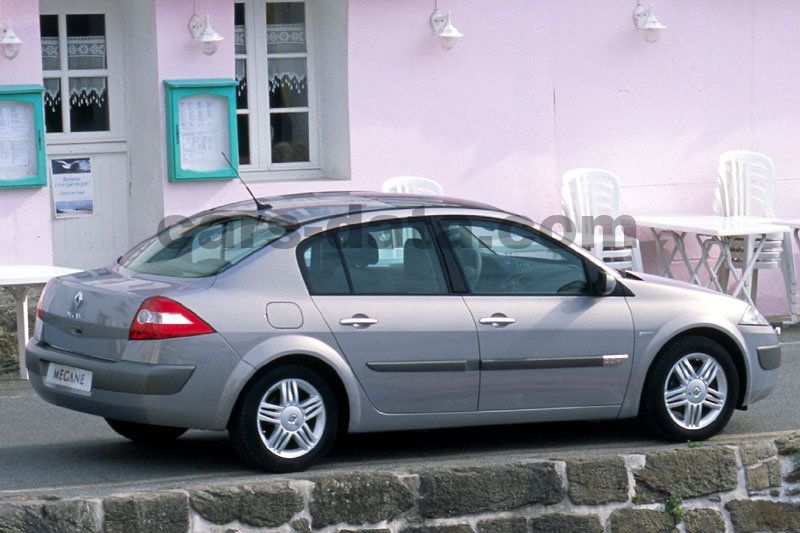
316 354
327 371
724 339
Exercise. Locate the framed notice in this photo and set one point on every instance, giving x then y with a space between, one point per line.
22 162
73 187
201 129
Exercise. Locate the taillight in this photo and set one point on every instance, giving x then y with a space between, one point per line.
40 304
162 318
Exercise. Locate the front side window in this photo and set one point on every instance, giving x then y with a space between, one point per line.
76 75
497 257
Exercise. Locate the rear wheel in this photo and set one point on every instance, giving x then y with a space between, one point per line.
145 433
691 390
286 420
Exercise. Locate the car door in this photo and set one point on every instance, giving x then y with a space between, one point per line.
545 340
381 288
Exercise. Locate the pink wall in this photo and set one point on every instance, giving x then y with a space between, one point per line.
25 232
179 57
537 88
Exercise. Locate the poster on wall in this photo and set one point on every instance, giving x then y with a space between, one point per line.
73 187
17 141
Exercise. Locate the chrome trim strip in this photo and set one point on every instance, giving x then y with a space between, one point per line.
614 360
423 366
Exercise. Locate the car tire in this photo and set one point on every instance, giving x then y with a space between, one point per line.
683 402
286 420
145 433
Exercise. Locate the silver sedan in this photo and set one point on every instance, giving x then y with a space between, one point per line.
306 316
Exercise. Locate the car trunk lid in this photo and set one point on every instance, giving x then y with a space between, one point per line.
91 312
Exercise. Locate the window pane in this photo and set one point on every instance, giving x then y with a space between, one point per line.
239 41
392 259
50 48
289 137
241 90
53 119
286 27
287 83
88 104
86 41
243 127
202 246
323 266
499 258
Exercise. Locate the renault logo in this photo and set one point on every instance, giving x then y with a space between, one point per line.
77 302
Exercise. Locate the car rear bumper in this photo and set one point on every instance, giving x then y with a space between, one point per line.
199 395
113 376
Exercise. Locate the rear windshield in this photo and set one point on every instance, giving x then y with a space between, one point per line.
202 246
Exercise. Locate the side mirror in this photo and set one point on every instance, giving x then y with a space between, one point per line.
603 284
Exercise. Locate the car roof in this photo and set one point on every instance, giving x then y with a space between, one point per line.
314 206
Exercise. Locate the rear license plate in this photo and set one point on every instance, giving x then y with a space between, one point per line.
69 377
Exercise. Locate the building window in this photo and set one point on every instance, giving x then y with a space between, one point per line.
281 47
75 68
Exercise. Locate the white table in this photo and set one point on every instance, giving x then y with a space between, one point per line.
713 230
17 280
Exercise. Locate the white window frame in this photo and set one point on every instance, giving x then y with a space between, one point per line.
261 166
113 72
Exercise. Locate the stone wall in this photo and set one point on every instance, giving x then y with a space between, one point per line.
745 487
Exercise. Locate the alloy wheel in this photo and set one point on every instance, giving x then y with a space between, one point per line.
695 391
291 418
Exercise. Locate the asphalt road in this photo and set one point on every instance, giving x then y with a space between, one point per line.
47 451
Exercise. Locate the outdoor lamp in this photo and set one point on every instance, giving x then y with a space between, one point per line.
647 23
203 33
443 28
10 43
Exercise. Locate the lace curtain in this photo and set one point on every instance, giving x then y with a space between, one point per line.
82 52
83 92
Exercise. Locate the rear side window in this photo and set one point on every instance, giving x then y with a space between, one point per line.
202 246
394 258
322 266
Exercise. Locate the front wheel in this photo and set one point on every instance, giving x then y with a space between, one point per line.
691 391
286 420
145 433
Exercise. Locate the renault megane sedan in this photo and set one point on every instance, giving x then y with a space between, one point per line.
292 321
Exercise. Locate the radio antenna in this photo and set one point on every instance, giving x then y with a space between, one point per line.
260 206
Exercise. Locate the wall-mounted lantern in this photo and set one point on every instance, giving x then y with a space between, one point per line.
646 22
9 42
203 33
442 26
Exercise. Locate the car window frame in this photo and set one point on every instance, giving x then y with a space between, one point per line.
458 273
425 220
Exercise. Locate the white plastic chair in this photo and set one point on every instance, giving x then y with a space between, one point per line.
412 185
744 188
592 193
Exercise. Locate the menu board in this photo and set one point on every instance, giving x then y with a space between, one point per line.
203 132
18 152
201 126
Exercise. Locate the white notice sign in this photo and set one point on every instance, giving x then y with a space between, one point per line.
203 132
73 187
17 141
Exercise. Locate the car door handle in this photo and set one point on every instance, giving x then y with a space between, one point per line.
358 321
497 320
